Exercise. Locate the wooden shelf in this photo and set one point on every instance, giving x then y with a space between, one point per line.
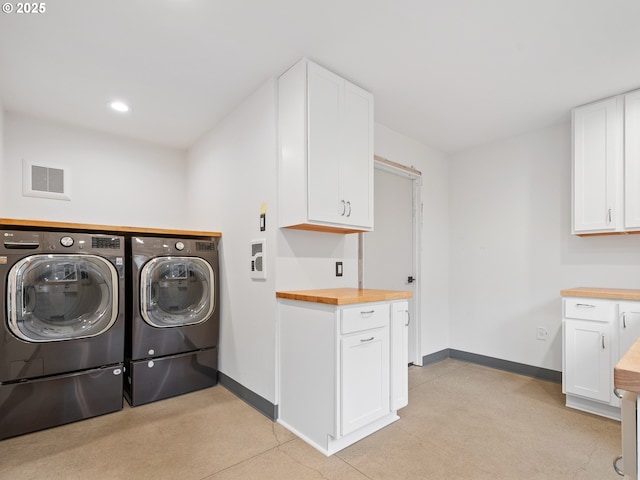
116 229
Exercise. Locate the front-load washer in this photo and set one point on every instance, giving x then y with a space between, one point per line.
62 344
173 317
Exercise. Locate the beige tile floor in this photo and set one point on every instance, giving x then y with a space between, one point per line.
463 421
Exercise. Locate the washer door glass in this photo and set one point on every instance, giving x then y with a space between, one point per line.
61 297
176 291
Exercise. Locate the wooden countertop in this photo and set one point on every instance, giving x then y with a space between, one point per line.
12 222
626 374
344 296
611 293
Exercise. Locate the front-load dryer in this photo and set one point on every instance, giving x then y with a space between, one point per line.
173 317
62 344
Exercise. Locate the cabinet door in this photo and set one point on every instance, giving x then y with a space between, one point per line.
588 361
399 355
325 97
632 161
597 143
364 378
356 167
629 326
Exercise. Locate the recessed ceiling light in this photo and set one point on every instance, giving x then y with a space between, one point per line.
119 106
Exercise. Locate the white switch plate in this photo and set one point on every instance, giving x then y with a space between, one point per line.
258 263
542 333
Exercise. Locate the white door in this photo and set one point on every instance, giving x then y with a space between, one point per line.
356 168
588 359
597 138
326 93
399 345
632 161
388 251
364 368
629 325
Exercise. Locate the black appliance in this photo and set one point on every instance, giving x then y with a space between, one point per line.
62 344
173 317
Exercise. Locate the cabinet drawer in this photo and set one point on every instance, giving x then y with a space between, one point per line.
589 309
364 317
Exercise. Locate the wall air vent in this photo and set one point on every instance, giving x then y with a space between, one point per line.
45 181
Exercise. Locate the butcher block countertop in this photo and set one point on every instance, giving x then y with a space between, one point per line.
610 293
344 296
626 374
116 229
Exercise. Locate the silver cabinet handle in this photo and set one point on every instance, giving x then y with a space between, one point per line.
362 340
368 312
602 341
344 207
616 466
609 215
617 393
585 305
624 318
349 210
408 318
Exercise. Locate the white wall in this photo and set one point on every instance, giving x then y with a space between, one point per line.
512 250
435 230
114 180
307 260
231 172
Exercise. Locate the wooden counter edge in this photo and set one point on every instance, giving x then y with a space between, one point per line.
9 222
347 298
626 373
606 293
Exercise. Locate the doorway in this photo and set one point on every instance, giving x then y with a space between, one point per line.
390 254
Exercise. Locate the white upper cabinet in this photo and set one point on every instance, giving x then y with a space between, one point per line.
606 166
597 137
326 151
632 161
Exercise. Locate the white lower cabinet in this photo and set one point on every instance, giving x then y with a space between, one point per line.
339 377
400 355
364 378
588 359
628 325
596 334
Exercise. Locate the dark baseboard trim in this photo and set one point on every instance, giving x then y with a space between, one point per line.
261 404
270 410
497 363
435 357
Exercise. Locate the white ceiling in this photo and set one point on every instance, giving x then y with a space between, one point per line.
453 74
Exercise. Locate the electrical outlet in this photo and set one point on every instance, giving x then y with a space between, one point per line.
542 333
338 269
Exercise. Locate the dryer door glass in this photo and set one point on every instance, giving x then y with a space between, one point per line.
61 297
176 291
